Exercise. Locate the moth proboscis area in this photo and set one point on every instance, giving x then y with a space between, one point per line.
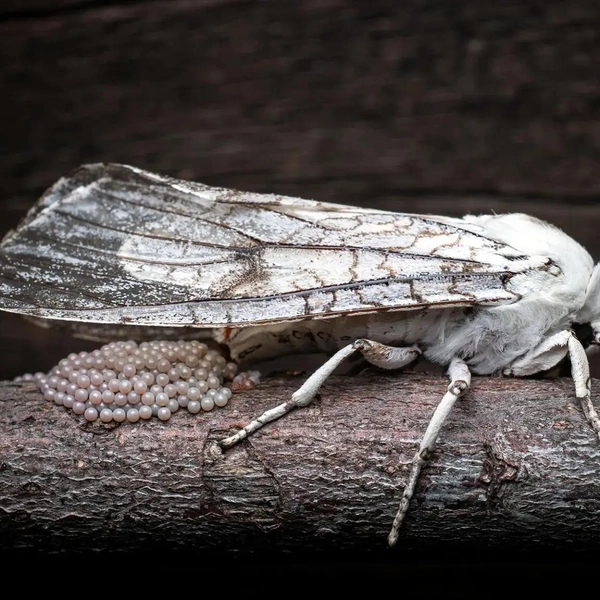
116 245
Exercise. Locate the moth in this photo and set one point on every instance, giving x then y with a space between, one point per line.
113 244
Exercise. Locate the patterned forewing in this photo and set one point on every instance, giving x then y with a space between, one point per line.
114 244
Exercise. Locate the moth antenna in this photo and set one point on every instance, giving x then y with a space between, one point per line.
460 381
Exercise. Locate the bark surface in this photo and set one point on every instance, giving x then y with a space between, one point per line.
516 466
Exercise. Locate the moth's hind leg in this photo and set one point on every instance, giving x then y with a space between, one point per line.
460 381
377 354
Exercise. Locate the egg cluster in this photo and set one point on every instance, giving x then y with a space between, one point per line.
126 381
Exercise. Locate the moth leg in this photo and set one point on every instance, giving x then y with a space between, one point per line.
580 369
547 355
377 354
460 381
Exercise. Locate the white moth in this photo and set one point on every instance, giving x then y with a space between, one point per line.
486 294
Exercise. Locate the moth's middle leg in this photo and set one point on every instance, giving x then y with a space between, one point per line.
380 355
460 381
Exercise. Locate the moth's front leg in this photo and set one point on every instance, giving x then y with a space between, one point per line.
548 354
387 357
543 357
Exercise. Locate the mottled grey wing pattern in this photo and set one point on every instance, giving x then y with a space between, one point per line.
114 244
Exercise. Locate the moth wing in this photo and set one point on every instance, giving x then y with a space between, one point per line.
118 245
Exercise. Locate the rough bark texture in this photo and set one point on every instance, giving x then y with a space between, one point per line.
516 466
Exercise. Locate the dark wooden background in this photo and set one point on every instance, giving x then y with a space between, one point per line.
442 106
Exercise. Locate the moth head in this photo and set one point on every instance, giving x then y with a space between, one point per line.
587 320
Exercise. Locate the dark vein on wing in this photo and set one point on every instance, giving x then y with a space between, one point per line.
41 262
344 287
264 245
145 235
194 217
270 208
120 312
53 288
165 210
447 227
121 257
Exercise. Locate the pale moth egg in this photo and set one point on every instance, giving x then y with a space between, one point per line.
126 381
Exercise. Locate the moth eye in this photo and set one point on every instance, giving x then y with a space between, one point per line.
554 270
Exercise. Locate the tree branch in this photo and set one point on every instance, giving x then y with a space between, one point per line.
516 464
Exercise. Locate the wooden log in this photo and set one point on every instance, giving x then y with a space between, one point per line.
517 465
